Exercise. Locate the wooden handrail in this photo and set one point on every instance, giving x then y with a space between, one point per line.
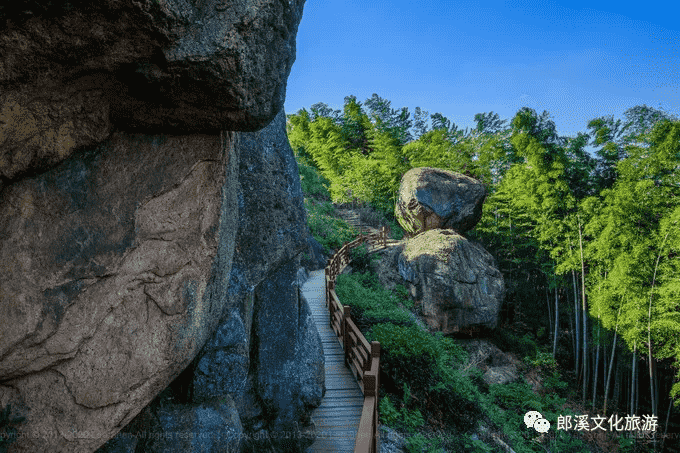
361 357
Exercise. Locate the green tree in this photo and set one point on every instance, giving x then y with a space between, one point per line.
397 123
614 136
489 123
354 125
321 109
634 240
420 119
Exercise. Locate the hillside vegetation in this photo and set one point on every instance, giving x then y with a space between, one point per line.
588 246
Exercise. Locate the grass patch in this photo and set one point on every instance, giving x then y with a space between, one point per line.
331 232
361 258
314 185
370 304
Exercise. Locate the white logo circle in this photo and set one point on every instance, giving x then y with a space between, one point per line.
542 425
531 417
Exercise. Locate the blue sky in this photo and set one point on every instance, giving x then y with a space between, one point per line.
577 60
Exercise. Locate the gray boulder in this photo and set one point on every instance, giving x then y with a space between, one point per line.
137 228
302 276
432 198
454 280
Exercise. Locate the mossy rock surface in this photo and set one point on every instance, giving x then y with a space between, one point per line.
455 281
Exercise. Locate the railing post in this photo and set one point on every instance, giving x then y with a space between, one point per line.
345 332
329 304
325 283
375 354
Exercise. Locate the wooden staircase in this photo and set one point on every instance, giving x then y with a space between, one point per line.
353 219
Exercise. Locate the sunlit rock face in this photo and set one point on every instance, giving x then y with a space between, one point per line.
431 198
455 281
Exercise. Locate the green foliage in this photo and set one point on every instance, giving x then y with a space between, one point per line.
547 197
404 341
361 258
542 360
455 400
634 245
418 443
508 341
397 232
412 419
313 184
329 231
568 443
389 415
407 356
477 446
403 295
8 430
626 444
408 418
370 303
516 396
554 383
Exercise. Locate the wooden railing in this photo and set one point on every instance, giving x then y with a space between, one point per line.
362 358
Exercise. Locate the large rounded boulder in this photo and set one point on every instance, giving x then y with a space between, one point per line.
431 198
454 280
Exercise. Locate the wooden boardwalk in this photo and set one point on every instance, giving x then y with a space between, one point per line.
337 419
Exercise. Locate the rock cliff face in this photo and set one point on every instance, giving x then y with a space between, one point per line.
265 360
141 238
73 72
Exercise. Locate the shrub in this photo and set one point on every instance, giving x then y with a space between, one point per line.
361 258
510 342
542 360
402 295
396 231
448 350
554 383
329 231
413 419
313 184
455 403
419 443
370 303
389 415
408 357
516 396
404 341
368 280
